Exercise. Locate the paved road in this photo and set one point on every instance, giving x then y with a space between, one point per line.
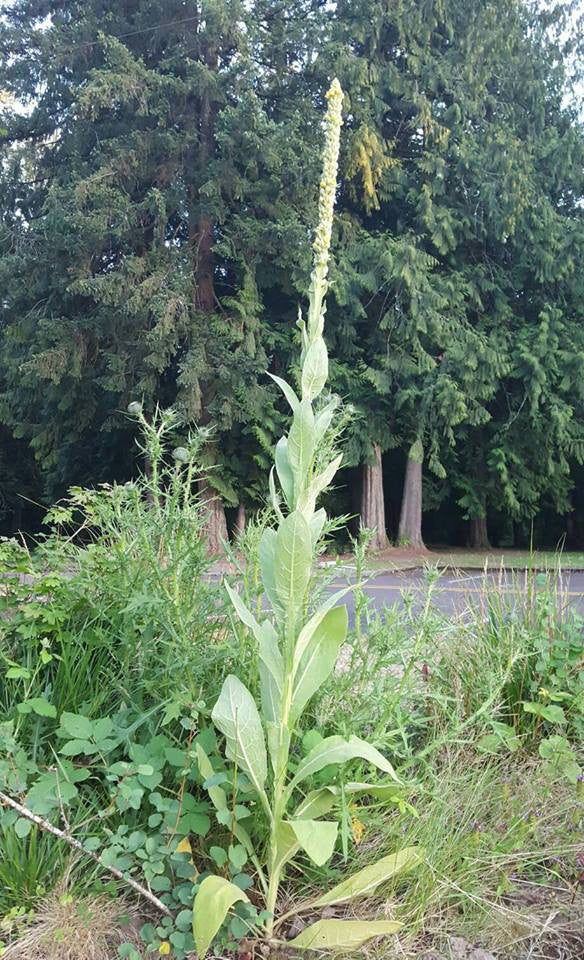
454 592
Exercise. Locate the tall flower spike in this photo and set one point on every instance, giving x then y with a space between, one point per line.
326 201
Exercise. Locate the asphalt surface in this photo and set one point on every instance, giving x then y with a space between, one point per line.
453 593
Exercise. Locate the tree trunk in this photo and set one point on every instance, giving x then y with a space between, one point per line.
372 502
239 526
201 231
410 521
478 534
215 528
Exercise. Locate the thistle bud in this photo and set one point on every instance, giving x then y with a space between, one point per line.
135 408
181 455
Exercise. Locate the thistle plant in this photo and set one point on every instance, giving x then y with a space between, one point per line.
297 650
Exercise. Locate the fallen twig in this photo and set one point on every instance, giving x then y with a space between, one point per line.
67 838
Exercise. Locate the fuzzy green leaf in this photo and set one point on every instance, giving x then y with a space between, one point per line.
236 716
334 750
287 390
267 558
214 899
314 369
307 632
338 935
319 658
301 444
365 881
293 559
284 471
316 837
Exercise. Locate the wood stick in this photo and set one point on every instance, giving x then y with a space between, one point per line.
67 838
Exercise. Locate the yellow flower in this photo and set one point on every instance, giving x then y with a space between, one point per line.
357 829
164 948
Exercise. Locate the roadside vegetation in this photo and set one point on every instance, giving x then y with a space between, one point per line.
190 767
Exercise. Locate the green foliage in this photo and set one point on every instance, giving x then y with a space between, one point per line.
146 253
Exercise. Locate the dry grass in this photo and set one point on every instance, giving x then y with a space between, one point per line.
64 927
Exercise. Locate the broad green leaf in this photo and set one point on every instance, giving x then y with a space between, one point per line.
301 444
287 390
274 496
317 522
324 419
316 837
338 935
316 804
214 899
305 635
22 827
333 750
382 791
319 802
314 369
365 881
307 500
75 726
293 560
286 846
243 612
319 658
38 705
271 670
236 716
267 558
284 471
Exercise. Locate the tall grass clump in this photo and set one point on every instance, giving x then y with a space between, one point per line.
115 604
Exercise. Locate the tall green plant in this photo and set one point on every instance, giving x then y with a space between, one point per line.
297 651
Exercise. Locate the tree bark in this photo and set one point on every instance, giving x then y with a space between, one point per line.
215 527
201 230
410 521
478 534
372 501
239 525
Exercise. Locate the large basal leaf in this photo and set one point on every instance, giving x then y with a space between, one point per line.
236 716
301 444
306 634
365 881
267 558
314 369
336 749
315 804
319 658
284 471
286 846
293 560
316 837
336 935
214 899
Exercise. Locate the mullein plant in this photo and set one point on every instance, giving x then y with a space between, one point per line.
297 650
